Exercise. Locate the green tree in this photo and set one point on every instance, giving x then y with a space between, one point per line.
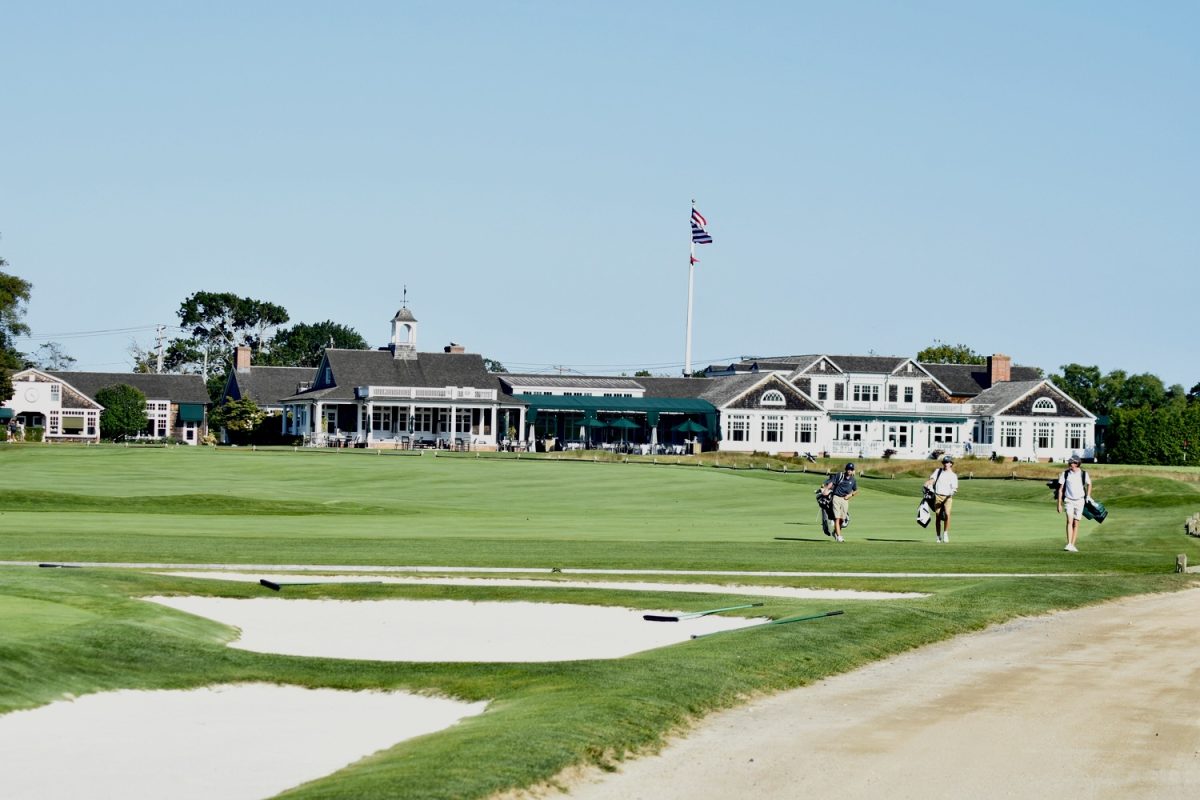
217 322
642 373
14 294
124 411
493 365
1142 391
302 344
240 416
1082 383
941 353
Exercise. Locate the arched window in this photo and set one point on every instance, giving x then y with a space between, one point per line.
772 398
1044 405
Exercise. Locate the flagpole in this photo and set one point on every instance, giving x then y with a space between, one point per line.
687 352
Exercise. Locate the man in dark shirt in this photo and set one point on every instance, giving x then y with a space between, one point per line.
842 487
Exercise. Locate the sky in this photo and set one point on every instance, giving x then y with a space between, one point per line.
1018 177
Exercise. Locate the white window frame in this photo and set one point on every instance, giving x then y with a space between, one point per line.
737 428
909 393
805 430
1043 434
1075 435
866 393
771 428
772 397
851 431
1011 433
1044 405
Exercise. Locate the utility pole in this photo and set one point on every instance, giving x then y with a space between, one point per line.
159 336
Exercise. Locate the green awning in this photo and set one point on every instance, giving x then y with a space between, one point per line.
6 414
590 406
191 412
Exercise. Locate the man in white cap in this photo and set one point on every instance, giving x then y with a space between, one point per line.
1074 487
943 483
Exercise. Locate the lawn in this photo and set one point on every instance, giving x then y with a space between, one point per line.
85 630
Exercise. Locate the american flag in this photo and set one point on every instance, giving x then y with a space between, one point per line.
699 234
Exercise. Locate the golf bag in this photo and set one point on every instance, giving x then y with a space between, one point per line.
1094 510
925 509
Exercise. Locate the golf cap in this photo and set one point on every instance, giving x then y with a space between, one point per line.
850 466
1074 460
947 460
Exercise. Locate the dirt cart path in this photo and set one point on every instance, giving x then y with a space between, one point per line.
1102 702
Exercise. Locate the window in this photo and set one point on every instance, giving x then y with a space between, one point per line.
739 428
1044 405
892 390
866 393
52 424
806 430
850 431
908 394
54 393
1043 435
822 392
899 436
1010 433
940 434
381 418
772 398
983 431
462 421
1075 436
839 391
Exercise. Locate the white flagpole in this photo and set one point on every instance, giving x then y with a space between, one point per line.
687 351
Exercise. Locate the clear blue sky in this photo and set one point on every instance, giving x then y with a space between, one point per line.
1021 177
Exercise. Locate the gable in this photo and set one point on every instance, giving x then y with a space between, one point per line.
793 399
822 366
1064 406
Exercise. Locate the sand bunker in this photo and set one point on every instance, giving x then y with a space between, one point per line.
444 630
243 741
629 586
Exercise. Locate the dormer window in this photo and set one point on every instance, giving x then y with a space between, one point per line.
1044 405
328 377
772 398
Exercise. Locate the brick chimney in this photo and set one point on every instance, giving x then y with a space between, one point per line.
999 369
455 347
241 358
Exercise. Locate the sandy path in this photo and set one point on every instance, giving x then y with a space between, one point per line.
1102 702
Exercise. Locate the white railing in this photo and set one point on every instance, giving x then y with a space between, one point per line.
424 393
865 406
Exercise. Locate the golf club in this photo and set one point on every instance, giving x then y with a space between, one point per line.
783 621
61 566
664 618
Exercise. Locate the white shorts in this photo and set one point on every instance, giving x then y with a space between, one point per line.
1073 508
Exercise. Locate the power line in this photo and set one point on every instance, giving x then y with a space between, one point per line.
41 337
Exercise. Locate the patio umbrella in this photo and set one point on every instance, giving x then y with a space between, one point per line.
624 425
688 426
591 422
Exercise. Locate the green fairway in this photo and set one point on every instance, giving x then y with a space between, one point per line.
85 630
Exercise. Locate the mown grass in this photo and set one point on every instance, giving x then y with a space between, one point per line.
72 631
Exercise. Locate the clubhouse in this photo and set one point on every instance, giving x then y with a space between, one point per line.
841 405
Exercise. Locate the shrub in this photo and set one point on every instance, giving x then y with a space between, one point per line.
936 454
887 454
34 434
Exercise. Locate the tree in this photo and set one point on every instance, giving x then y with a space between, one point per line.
1142 391
493 365
642 373
941 353
124 411
241 416
51 356
1082 383
302 344
218 322
14 292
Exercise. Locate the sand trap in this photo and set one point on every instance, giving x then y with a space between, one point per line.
233 742
444 630
629 586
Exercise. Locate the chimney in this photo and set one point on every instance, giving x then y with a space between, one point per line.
999 369
241 358
455 347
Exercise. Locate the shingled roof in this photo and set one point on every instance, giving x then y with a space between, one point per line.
268 386
968 380
352 368
156 386
521 381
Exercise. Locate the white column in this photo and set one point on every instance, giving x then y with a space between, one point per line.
366 434
453 432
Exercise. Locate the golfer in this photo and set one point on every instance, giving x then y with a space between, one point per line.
842 486
943 483
1074 488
